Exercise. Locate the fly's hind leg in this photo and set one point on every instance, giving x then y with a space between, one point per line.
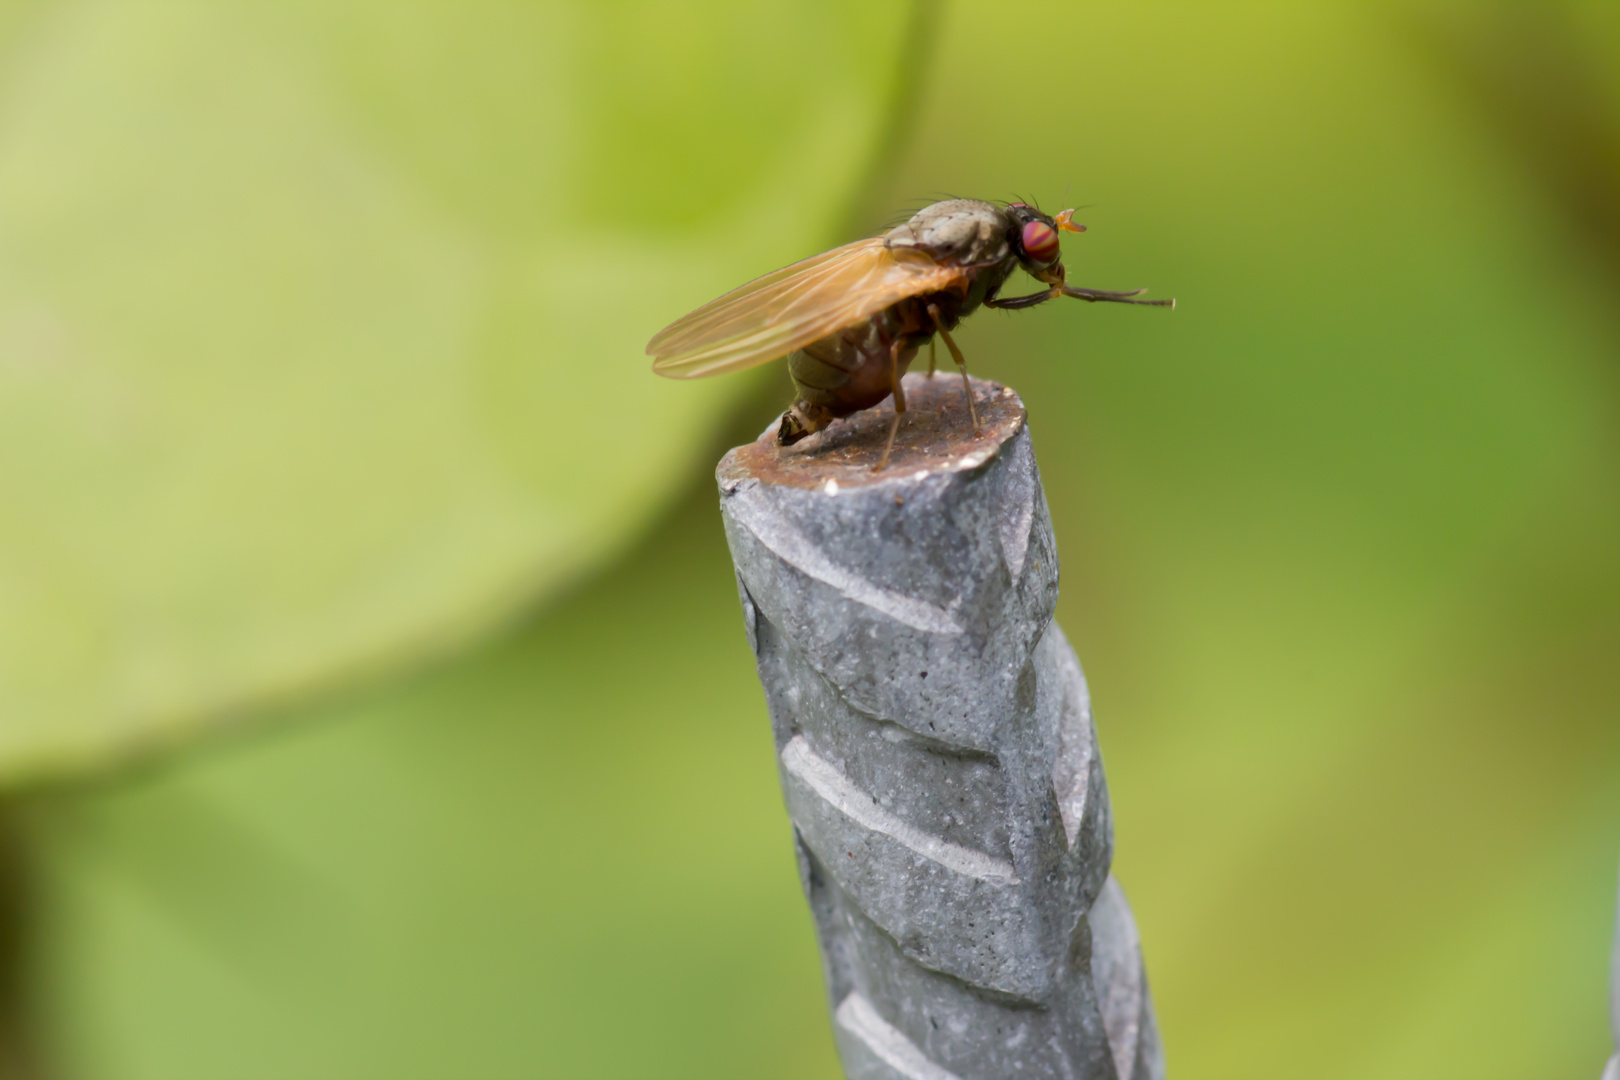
956 354
899 401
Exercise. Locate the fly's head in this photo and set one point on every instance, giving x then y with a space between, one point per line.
1034 238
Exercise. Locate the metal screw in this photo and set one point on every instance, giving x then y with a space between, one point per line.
936 748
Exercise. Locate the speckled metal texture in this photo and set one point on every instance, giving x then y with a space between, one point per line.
936 747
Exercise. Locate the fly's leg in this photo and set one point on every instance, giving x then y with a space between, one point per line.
956 354
930 358
1014 303
1094 295
899 401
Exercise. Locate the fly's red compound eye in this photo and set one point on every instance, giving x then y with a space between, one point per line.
1040 242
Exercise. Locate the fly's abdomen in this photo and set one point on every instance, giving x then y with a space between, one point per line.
849 371
846 372
823 369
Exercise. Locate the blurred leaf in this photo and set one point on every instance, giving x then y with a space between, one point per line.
321 325
562 855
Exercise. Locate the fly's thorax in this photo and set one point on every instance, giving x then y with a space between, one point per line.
960 232
986 282
954 305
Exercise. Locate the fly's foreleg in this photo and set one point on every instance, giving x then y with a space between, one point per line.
956 354
1094 295
899 400
1013 303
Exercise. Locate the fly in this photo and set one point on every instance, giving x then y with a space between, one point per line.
851 320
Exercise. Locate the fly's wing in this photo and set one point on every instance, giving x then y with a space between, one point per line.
773 315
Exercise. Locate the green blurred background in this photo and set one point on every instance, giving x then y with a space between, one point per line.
373 697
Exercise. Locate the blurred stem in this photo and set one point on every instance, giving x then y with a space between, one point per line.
1531 72
866 210
19 1055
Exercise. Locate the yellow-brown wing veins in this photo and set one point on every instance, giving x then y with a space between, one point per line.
786 310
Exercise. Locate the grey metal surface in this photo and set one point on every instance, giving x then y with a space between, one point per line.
936 748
